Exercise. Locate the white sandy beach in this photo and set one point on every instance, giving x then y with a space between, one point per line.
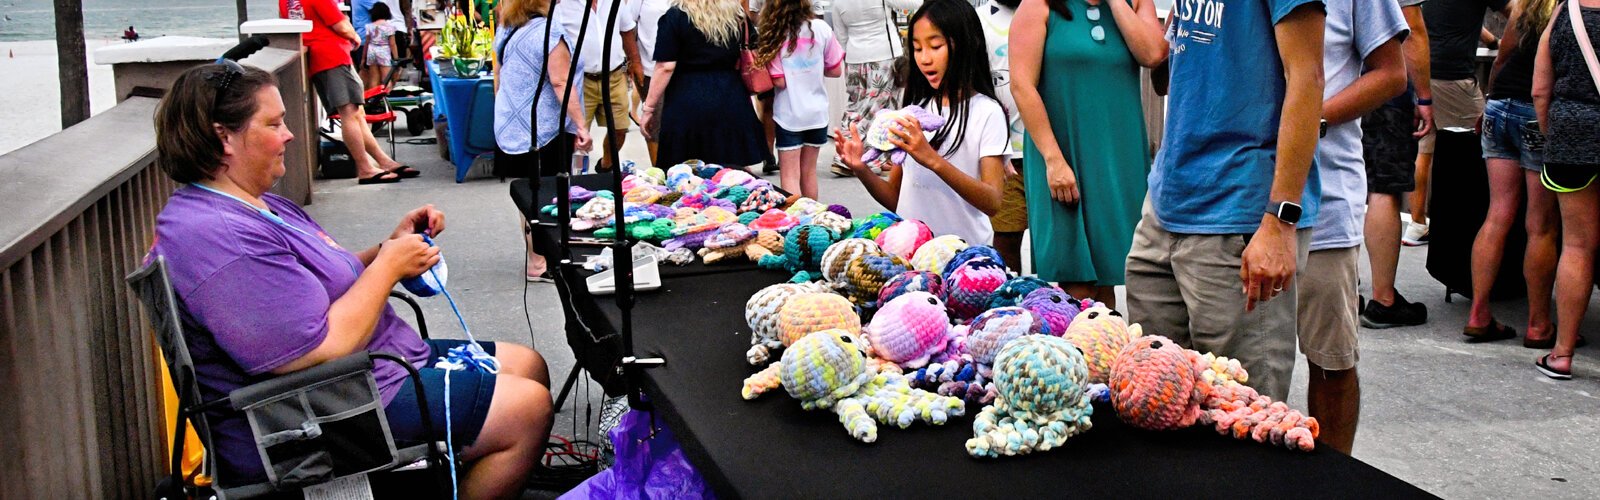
30 96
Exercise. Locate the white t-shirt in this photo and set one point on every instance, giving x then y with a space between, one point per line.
803 102
649 17
570 12
996 21
926 197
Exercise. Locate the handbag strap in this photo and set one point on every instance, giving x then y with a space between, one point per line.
1583 42
888 32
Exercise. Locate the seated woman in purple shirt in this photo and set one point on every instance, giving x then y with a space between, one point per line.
269 292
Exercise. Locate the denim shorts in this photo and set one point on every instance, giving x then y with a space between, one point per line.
470 394
788 141
1511 132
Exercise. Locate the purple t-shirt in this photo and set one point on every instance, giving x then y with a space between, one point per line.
257 295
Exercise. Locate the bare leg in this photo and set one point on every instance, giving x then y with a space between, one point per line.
808 171
1009 245
536 262
1383 244
511 441
1419 196
789 170
613 139
1575 271
1505 197
1106 295
375 149
1080 290
1539 263
1334 398
522 361
352 126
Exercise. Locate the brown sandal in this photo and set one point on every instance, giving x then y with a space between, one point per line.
1495 331
1549 342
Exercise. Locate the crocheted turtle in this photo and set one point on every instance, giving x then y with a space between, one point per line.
761 200
909 330
1158 385
802 252
968 287
827 370
642 193
874 225
1054 306
654 176
911 281
1015 289
1041 402
839 210
597 212
681 178
1101 333
775 220
933 255
865 276
839 255
731 177
655 230
761 313
904 238
884 122
735 240
805 207
830 220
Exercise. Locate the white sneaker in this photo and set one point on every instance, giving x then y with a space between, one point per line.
1415 235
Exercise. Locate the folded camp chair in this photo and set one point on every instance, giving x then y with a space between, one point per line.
310 427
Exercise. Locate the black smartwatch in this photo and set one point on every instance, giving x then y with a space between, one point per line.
1286 211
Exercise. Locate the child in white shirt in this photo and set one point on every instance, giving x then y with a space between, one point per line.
799 50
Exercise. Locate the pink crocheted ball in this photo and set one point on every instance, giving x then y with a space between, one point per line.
1054 306
911 281
967 289
1153 385
904 238
992 330
909 329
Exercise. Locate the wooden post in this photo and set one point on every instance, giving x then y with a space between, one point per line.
71 62
242 13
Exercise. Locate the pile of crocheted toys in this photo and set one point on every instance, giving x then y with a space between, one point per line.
885 322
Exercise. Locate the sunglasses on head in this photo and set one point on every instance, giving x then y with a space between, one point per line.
223 78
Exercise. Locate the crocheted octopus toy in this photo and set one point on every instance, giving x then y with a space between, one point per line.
736 240
908 331
827 370
865 276
967 288
965 370
809 312
1055 307
802 252
904 238
1041 381
1101 334
884 123
1158 385
1015 289
873 225
840 253
761 313
933 255
911 281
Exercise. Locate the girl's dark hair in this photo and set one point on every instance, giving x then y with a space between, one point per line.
966 72
187 146
1011 4
781 21
379 11
1060 7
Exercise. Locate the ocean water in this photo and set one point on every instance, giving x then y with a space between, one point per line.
105 19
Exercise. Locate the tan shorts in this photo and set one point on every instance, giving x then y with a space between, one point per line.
1013 214
1456 104
619 98
1186 287
1328 317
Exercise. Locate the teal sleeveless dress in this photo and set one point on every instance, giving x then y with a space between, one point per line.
1091 94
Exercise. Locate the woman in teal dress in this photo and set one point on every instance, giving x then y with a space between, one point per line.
1075 75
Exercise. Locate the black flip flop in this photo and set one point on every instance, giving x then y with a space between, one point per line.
1494 332
405 172
385 177
1543 364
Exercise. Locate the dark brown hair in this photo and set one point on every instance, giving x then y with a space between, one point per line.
187 146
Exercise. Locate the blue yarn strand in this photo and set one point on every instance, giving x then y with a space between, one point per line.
464 357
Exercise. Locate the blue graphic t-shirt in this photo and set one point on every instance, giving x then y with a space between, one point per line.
1213 174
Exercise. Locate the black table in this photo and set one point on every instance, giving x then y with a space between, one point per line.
769 447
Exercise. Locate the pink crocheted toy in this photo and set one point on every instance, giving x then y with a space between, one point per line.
884 122
1101 333
965 373
775 220
904 238
761 313
909 330
967 288
1157 385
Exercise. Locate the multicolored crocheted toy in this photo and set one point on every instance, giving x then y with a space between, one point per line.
839 255
1054 306
1101 333
1157 385
1042 401
597 212
865 276
882 127
839 210
1015 289
802 252
971 252
762 199
827 370
642 193
965 371
911 281
904 238
830 220
968 287
654 176
731 177
736 240
874 225
761 313
812 312
933 255
909 330
775 220
805 207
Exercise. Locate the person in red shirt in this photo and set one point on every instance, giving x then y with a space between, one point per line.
328 46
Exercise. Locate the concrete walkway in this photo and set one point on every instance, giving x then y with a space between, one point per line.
1459 420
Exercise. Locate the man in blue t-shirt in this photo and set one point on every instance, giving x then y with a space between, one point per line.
1233 188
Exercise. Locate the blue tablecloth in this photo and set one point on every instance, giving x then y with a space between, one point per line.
467 107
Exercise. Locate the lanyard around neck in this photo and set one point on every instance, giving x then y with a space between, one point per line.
264 212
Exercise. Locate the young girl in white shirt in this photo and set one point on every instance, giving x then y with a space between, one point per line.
799 50
951 178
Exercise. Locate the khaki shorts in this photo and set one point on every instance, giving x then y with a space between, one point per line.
1186 287
619 99
1328 317
1013 214
1456 104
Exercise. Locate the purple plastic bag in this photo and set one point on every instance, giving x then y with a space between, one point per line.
646 467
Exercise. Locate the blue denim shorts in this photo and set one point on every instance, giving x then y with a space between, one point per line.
787 140
470 394
1511 132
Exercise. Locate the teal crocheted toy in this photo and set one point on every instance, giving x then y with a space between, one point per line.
655 230
802 252
1043 399
827 370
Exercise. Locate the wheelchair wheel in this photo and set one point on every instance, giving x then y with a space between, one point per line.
417 121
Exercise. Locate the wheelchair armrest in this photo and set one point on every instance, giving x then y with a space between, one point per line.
358 362
416 311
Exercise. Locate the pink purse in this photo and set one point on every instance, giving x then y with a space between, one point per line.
756 78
